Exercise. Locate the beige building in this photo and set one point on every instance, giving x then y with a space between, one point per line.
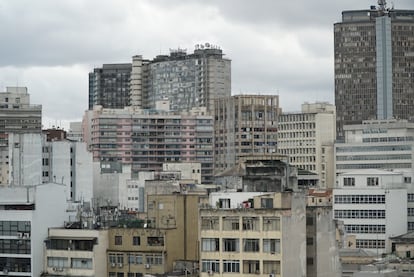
158 244
307 138
244 125
267 240
75 252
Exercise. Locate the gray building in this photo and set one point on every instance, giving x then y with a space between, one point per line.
186 80
109 86
374 73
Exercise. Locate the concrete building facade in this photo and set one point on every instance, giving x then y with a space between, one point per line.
307 139
373 206
244 125
145 139
373 65
25 216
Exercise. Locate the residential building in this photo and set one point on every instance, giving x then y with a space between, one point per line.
17 116
264 236
25 216
244 125
307 138
186 80
145 139
373 205
67 162
109 86
374 78
169 234
76 252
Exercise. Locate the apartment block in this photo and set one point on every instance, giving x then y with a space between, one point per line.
157 245
25 216
17 116
373 65
267 239
373 206
145 139
307 139
76 252
186 80
244 125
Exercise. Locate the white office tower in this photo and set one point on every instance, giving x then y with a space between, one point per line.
373 207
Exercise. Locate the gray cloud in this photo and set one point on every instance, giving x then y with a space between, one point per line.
275 46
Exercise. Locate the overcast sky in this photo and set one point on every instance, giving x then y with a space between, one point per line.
276 47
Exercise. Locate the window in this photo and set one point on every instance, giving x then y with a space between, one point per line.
154 259
349 182
136 240
231 245
309 261
271 267
231 266
210 244
231 224
210 266
155 241
60 262
250 223
266 203
209 223
83 263
251 245
407 180
118 240
224 203
251 267
271 246
271 224
309 241
372 181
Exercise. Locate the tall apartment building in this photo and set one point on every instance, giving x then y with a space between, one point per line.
18 117
186 80
26 213
373 206
374 76
145 139
244 125
376 144
307 139
109 86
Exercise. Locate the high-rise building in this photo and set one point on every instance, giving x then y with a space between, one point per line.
307 139
244 125
186 80
145 139
374 65
109 86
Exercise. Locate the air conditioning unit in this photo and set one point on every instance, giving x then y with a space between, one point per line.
113 265
210 272
20 235
60 269
272 275
120 265
54 269
147 265
26 235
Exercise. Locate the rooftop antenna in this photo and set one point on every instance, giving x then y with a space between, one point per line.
382 4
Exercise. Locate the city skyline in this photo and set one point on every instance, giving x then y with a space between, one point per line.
51 46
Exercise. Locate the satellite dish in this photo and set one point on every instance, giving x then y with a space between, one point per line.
207 44
201 46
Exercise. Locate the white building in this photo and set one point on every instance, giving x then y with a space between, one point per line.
26 213
373 206
376 144
307 138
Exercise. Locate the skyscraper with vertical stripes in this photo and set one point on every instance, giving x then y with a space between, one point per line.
374 65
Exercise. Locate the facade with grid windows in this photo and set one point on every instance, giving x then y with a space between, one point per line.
244 126
374 65
264 236
307 139
373 206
